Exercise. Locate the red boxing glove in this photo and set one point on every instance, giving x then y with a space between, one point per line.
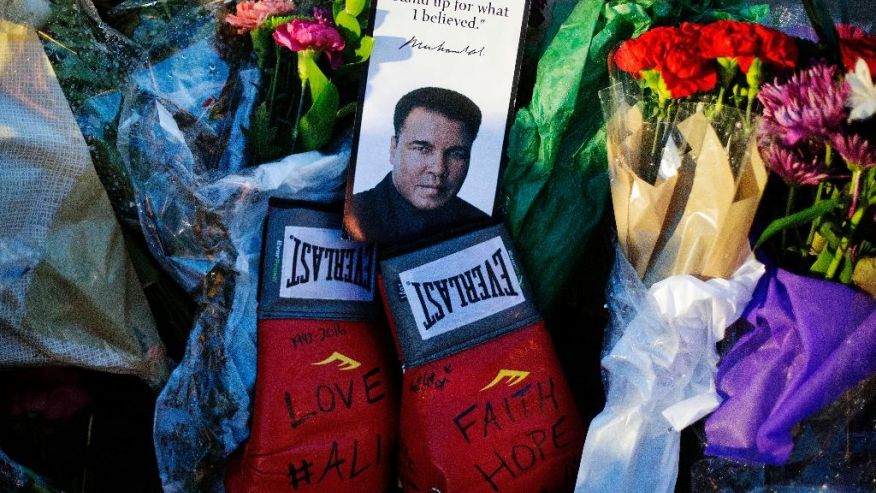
485 405
325 412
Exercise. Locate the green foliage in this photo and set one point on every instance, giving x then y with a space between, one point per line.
315 127
819 17
348 25
806 216
262 136
83 63
354 7
363 52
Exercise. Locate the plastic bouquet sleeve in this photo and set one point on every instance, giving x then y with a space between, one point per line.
69 294
660 372
485 405
325 405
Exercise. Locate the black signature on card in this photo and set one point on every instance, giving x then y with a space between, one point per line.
441 47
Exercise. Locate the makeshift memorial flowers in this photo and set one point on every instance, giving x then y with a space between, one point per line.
299 102
686 179
811 338
819 137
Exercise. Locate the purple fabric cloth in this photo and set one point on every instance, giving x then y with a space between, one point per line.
811 341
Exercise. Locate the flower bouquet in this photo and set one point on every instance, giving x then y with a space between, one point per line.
300 103
811 338
556 152
686 179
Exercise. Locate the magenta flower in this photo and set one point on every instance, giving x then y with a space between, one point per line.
854 149
792 165
312 34
810 105
250 15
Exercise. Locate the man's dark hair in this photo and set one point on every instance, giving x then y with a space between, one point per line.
450 104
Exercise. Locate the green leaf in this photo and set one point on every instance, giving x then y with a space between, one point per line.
654 81
822 262
363 52
348 25
848 269
754 76
263 39
796 219
315 127
262 136
347 110
819 17
354 7
728 68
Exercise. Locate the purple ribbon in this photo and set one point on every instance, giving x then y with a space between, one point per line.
812 340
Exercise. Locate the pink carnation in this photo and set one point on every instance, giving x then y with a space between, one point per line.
250 15
312 34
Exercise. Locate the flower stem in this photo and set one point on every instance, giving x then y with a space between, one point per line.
855 189
302 74
748 108
844 243
273 90
828 157
789 206
298 113
720 104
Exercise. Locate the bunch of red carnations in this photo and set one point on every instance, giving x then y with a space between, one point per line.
680 61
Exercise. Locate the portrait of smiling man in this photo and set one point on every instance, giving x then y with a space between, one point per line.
430 155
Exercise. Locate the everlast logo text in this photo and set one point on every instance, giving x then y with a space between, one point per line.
468 287
482 282
309 262
318 262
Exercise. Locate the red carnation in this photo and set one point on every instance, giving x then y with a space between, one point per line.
633 57
644 52
683 68
848 31
680 88
855 44
729 39
776 47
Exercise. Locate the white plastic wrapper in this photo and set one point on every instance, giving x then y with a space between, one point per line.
660 371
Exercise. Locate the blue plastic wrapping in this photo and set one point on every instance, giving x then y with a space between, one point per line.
201 210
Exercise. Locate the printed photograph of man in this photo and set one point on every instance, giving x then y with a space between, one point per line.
429 153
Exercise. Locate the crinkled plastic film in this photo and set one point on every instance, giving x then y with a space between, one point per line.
659 374
202 211
58 230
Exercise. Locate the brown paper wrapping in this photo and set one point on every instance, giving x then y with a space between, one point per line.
695 222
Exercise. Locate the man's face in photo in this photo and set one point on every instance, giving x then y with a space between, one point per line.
429 157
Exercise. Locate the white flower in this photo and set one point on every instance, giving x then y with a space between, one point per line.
862 97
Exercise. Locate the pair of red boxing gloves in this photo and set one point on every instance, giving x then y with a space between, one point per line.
482 404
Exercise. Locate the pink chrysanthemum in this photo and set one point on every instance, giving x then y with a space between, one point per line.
250 15
854 149
810 105
792 165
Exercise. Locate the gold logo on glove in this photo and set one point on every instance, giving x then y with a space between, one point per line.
514 377
345 363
